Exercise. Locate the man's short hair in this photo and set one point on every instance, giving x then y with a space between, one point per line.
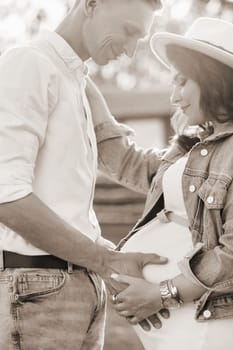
154 3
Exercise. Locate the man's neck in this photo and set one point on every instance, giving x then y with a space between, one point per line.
70 29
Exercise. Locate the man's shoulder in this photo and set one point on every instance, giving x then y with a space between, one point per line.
29 54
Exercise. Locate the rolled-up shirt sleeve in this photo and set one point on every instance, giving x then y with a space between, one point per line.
112 129
27 95
211 269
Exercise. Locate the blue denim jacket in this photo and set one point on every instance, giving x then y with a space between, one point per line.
208 196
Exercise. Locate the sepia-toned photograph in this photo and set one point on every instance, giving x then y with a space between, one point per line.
116 174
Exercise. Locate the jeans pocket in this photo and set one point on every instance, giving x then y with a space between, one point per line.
33 285
99 288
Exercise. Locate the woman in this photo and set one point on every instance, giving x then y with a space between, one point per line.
193 183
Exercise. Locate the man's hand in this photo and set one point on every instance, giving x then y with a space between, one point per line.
130 264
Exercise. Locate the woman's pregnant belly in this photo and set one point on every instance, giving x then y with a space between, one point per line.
167 239
172 241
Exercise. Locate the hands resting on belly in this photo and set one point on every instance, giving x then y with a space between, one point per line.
139 301
134 298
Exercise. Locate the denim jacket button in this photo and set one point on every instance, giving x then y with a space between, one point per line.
207 314
192 188
204 152
210 199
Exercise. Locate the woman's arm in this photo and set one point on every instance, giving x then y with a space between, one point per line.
141 299
119 157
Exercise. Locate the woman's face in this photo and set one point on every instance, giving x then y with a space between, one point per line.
186 97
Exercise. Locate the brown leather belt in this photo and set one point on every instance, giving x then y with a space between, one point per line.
14 260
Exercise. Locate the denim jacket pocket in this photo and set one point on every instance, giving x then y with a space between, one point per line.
32 285
213 193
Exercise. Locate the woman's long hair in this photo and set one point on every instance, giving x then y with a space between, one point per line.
214 79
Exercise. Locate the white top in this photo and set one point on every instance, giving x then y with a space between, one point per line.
172 187
161 237
181 330
47 140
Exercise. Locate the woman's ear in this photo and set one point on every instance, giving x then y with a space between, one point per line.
90 6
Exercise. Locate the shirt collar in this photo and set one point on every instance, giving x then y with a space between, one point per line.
65 51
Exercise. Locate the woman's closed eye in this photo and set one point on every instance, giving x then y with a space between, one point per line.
179 80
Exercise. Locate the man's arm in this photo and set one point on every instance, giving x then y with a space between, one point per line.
28 94
43 228
39 225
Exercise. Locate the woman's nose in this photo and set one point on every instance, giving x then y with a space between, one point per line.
175 97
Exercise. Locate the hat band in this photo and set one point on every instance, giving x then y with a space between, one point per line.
218 47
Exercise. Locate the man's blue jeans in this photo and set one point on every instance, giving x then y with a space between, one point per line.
49 309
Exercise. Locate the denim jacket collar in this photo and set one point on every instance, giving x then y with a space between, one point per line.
221 130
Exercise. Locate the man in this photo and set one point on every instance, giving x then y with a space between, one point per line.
48 161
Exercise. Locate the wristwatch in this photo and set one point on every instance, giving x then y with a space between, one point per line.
169 295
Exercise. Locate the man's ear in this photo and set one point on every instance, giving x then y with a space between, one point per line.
90 6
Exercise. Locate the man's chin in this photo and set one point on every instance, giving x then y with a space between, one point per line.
102 61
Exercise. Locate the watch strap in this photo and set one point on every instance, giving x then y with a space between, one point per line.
169 294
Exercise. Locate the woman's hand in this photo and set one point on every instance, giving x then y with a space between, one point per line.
139 300
100 111
98 105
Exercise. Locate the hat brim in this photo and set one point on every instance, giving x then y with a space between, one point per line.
160 41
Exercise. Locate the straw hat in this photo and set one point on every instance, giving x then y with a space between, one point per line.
210 36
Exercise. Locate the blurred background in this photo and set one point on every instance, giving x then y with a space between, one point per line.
137 91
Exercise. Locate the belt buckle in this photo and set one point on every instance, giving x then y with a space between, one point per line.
69 267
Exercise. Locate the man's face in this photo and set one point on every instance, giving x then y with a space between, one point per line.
114 27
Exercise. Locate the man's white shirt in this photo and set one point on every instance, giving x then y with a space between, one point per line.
47 139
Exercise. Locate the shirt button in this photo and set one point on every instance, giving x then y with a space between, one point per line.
207 314
204 152
210 199
192 188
